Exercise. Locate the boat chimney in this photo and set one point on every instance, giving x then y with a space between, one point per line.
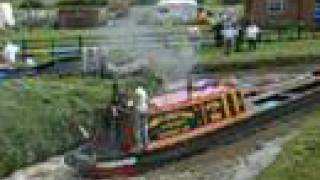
115 90
189 87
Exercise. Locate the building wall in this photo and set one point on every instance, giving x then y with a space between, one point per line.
308 7
256 10
68 18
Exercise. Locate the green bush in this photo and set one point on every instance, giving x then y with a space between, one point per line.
82 2
31 4
36 117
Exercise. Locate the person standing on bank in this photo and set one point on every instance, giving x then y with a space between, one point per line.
230 33
240 38
194 37
218 35
252 32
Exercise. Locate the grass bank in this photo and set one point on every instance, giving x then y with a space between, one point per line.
36 114
267 54
300 159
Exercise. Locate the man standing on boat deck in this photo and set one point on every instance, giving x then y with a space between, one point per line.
141 116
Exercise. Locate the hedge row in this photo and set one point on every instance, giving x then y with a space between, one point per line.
36 117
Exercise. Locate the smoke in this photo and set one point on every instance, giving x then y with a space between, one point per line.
164 49
172 64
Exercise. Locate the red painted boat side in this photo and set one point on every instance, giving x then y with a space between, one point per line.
209 128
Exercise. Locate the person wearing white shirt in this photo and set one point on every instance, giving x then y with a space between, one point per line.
252 32
194 36
10 52
230 33
142 106
6 15
30 61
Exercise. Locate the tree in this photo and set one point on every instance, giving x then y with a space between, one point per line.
31 4
82 2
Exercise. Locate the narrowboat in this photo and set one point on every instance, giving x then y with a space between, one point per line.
183 122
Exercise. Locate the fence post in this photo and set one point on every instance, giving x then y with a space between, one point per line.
80 51
279 34
23 49
80 45
52 43
52 54
299 31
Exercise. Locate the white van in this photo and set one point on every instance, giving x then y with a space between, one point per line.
183 10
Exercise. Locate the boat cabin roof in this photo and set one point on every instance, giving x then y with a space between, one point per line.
180 99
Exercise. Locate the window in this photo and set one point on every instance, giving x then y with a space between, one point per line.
231 104
242 106
276 6
317 12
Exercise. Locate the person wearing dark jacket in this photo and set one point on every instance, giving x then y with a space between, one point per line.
240 39
218 36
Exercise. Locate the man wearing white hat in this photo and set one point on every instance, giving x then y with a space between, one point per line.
141 116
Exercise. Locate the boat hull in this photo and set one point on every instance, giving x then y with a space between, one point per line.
297 101
232 133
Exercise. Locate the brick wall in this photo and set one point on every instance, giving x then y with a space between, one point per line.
295 10
84 17
307 14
